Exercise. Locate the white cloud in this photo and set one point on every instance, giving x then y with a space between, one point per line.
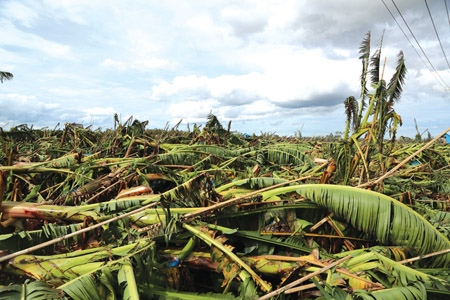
77 11
150 63
23 12
51 106
188 87
278 61
141 42
98 116
99 111
11 36
69 92
191 111
260 108
143 65
17 108
288 80
114 64
243 21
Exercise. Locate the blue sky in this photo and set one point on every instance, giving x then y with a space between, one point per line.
269 66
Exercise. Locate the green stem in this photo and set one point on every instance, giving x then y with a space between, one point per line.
131 289
347 128
266 287
373 98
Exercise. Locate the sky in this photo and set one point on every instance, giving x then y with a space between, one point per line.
268 66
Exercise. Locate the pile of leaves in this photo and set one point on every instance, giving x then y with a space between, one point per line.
211 213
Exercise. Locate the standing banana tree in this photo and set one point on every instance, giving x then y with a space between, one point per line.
384 97
380 107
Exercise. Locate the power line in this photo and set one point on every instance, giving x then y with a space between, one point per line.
435 30
412 45
418 44
446 8
443 84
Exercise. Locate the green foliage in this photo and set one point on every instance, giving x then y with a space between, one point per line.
214 125
381 216
208 181
416 291
83 288
127 282
5 76
30 290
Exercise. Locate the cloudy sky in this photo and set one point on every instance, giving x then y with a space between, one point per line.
269 66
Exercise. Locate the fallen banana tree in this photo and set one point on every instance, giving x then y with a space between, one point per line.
153 214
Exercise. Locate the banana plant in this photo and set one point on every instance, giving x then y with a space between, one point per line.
388 220
161 197
380 107
5 76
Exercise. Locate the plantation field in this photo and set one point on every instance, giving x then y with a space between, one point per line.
205 213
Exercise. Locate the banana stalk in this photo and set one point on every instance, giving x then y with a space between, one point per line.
126 276
266 287
25 210
62 267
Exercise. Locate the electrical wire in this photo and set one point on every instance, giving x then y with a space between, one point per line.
418 44
435 30
412 45
446 8
441 82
